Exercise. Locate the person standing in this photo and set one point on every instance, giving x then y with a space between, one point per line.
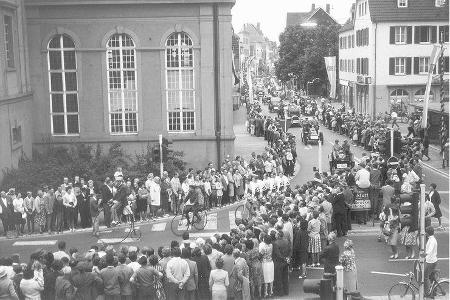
348 262
265 249
445 155
375 184
204 270
330 255
436 200
219 281
41 212
94 205
110 278
124 273
192 282
430 258
281 252
177 273
70 203
394 224
340 212
155 196
107 196
301 242
49 200
388 192
30 211
5 216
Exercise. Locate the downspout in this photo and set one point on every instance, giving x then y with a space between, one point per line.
217 82
374 82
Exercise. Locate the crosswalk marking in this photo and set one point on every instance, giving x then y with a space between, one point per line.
159 227
211 224
232 219
35 243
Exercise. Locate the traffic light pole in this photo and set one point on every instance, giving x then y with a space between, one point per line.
161 165
392 141
422 242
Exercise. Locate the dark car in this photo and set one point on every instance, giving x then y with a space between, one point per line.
274 105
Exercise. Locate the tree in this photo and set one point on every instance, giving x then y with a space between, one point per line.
302 50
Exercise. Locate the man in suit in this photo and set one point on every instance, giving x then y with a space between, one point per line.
281 251
436 200
120 199
49 200
107 198
192 282
330 255
339 212
4 212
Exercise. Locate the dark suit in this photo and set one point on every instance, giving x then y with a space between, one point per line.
339 213
107 196
281 251
436 200
121 196
5 215
330 258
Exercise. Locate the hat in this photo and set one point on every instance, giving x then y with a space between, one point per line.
3 272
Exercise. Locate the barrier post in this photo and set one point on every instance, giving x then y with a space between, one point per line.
422 242
161 157
392 141
320 157
339 282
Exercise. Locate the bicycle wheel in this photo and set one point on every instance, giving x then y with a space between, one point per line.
178 225
201 223
135 234
401 291
113 235
441 290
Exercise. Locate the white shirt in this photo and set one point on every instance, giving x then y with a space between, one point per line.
177 270
134 265
4 203
431 250
363 178
58 255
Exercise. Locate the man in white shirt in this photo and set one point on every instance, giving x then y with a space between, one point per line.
430 258
362 177
58 255
177 272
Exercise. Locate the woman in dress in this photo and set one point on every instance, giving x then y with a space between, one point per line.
256 271
265 249
142 201
314 247
408 237
239 184
19 213
41 213
394 225
348 262
218 281
204 270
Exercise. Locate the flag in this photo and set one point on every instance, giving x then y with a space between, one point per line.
433 61
330 64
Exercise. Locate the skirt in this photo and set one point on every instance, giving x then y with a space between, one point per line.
350 281
408 238
268 271
41 218
315 244
141 204
393 238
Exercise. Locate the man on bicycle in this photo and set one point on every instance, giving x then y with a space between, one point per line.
192 203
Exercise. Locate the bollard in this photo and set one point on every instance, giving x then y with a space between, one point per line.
339 283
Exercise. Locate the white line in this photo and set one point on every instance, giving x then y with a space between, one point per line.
204 234
35 243
413 259
385 273
128 229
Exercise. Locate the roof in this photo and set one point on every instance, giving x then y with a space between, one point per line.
349 25
109 2
422 10
297 18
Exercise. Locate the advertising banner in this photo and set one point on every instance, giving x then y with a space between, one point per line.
330 64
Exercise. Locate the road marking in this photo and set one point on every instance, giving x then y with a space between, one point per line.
129 229
232 218
115 241
35 243
314 268
386 273
413 259
211 224
159 227
440 172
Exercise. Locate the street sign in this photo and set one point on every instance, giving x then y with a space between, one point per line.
362 201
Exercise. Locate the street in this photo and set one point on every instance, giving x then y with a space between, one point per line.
372 256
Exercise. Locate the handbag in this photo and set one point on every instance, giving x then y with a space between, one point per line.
387 230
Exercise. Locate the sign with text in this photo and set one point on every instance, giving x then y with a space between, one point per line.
330 65
362 201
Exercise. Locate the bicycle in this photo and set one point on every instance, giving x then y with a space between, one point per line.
408 290
243 212
119 234
179 223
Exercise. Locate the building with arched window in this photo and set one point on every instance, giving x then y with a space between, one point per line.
128 71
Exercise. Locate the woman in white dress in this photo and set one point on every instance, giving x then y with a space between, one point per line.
219 281
265 248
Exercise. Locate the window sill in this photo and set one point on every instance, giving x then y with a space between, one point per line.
400 43
123 133
65 135
399 75
424 43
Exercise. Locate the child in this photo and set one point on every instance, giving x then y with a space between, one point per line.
383 219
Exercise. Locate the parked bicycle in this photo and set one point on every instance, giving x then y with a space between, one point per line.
409 290
179 223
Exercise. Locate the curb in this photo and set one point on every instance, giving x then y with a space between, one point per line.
436 170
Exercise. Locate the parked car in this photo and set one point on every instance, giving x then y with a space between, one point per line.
274 105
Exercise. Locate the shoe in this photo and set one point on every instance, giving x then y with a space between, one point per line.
392 256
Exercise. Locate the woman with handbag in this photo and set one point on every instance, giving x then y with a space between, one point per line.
394 227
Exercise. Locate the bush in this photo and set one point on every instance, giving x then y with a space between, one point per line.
50 166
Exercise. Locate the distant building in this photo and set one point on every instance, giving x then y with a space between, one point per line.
125 71
16 127
384 52
316 16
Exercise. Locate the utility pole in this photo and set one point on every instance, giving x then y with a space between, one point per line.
161 165
444 129
422 242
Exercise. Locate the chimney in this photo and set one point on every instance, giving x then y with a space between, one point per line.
258 26
313 7
327 8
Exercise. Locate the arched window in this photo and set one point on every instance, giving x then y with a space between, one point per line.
62 69
419 96
180 83
122 89
398 96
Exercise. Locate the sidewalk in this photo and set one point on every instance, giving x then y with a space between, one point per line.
245 143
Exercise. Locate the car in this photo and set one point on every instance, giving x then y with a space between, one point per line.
342 161
295 121
274 105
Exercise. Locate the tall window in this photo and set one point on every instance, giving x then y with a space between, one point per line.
180 84
400 34
62 66
9 44
425 34
400 66
402 3
424 65
122 90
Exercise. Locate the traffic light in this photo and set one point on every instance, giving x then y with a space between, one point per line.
166 148
409 212
156 153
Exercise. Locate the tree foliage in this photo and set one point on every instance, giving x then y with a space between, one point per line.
51 165
302 51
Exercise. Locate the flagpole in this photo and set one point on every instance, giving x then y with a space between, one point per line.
433 60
